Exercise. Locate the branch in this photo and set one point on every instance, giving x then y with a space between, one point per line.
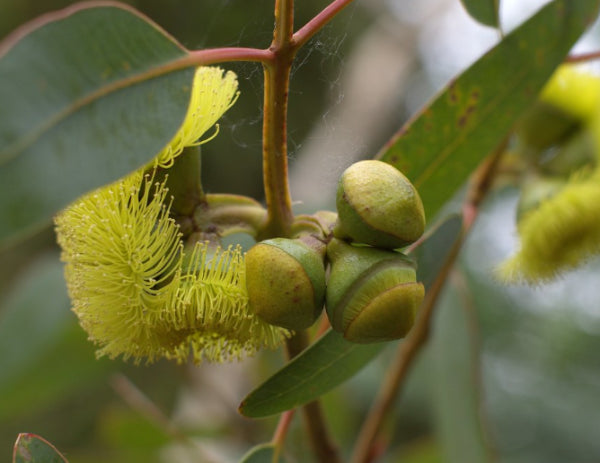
222 55
284 24
275 163
582 58
306 32
283 427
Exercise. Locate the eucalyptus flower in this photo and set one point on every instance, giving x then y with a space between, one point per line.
136 289
211 303
559 212
121 252
560 234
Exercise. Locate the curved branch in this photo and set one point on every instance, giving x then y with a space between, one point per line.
306 32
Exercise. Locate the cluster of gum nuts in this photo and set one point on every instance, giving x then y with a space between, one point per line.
354 268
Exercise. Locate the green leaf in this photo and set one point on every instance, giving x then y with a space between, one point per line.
264 453
442 145
88 95
332 360
484 11
33 317
30 448
44 354
432 254
326 364
456 385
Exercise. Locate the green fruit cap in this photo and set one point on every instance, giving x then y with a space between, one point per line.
372 294
285 280
377 205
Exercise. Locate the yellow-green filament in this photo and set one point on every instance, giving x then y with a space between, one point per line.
562 233
213 93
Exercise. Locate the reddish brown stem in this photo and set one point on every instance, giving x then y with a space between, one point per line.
226 54
275 163
284 24
583 57
282 429
306 32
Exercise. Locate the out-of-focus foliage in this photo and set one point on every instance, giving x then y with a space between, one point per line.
532 352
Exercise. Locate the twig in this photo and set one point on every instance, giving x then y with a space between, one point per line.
282 428
284 24
583 57
275 164
364 451
277 68
138 401
321 442
306 32
325 450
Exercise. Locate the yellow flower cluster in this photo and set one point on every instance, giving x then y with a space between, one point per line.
136 289
560 234
563 230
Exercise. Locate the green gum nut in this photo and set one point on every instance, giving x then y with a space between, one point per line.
377 205
285 279
372 294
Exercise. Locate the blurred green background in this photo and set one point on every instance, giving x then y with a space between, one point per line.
510 375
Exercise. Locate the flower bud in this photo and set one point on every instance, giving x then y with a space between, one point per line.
285 279
377 205
372 294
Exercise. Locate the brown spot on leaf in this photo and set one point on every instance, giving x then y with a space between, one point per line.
453 93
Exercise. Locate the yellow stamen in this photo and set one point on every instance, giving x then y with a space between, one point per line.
562 233
213 93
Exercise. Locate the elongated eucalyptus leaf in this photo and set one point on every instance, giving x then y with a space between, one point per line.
44 354
484 11
30 448
88 94
456 385
441 146
264 453
32 317
332 360
326 364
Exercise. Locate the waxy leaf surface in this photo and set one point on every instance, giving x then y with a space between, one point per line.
264 453
30 448
44 353
484 11
441 146
88 94
457 382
